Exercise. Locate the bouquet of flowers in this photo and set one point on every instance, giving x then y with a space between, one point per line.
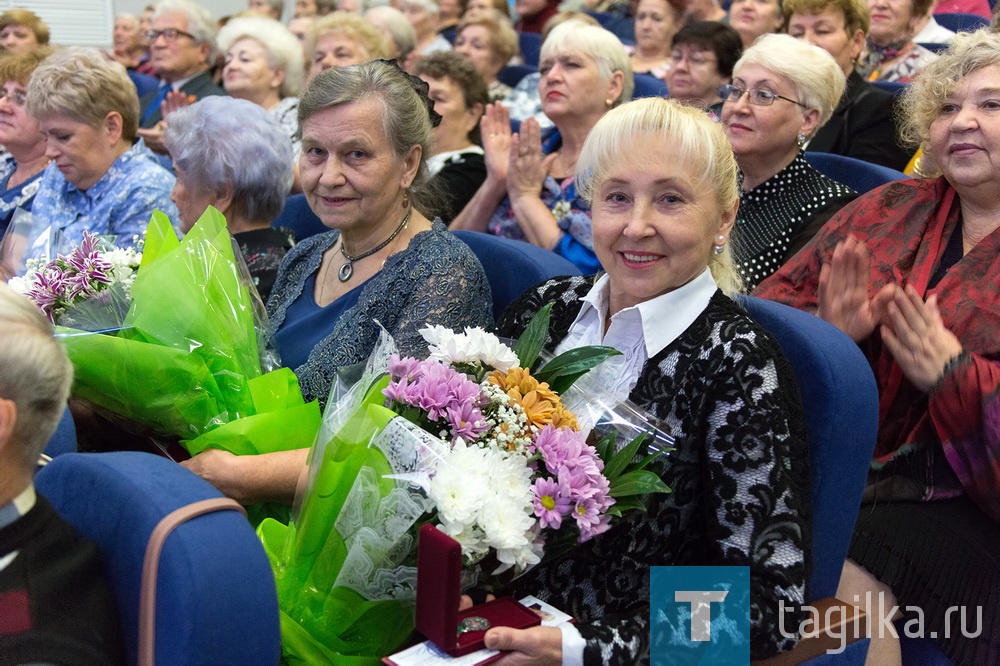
470 439
174 339
96 276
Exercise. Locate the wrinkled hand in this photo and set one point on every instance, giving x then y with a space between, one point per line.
496 136
843 291
538 646
176 99
154 137
221 469
915 335
528 166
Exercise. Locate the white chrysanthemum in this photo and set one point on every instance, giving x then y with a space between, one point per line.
490 351
436 335
475 345
454 488
20 284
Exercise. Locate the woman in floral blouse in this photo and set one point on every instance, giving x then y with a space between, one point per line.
529 192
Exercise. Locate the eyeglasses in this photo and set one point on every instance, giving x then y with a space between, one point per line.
169 34
757 96
15 97
694 59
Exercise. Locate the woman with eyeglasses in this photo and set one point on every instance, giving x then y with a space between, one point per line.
783 90
702 58
24 161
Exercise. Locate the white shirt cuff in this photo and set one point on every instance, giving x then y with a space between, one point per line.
572 645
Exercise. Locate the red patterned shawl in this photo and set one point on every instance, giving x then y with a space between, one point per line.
906 226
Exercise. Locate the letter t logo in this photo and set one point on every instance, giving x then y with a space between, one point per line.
701 610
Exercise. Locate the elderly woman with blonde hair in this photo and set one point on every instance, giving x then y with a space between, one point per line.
909 271
783 90
21 30
341 39
396 29
264 65
662 183
529 192
863 125
488 41
102 177
423 15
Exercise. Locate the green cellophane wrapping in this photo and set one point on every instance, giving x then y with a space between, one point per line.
187 361
323 622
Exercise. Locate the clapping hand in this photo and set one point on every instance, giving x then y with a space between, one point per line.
843 291
528 166
496 137
915 335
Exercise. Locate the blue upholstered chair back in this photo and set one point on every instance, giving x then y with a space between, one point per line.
860 175
513 266
530 45
299 217
63 440
647 85
841 407
144 83
511 75
216 601
959 22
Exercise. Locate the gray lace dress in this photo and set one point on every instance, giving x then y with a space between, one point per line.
739 477
435 280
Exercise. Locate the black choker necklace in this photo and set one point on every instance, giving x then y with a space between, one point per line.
347 270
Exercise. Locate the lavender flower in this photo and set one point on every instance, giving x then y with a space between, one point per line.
551 502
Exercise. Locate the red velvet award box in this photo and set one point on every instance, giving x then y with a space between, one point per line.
439 588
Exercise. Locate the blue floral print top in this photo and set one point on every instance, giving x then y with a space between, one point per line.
119 204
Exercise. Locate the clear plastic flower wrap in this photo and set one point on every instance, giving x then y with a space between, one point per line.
468 440
182 347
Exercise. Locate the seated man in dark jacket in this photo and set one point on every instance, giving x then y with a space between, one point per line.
55 606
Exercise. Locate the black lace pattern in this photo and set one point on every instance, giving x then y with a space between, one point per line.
739 476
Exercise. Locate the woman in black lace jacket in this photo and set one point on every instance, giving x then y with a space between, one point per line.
662 184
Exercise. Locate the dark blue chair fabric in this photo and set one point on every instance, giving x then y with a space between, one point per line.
841 407
622 27
216 601
647 85
959 22
299 217
144 83
858 174
513 266
892 87
511 75
63 440
530 44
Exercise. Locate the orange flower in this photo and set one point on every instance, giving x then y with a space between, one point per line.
563 418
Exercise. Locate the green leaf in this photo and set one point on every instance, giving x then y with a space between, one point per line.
614 467
604 447
637 482
533 337
563 370
628 504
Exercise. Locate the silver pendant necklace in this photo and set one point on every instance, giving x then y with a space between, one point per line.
347 270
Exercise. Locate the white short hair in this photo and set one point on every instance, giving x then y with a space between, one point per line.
818 79
283 48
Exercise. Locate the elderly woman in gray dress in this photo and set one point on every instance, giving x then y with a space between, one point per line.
229 153
365 136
